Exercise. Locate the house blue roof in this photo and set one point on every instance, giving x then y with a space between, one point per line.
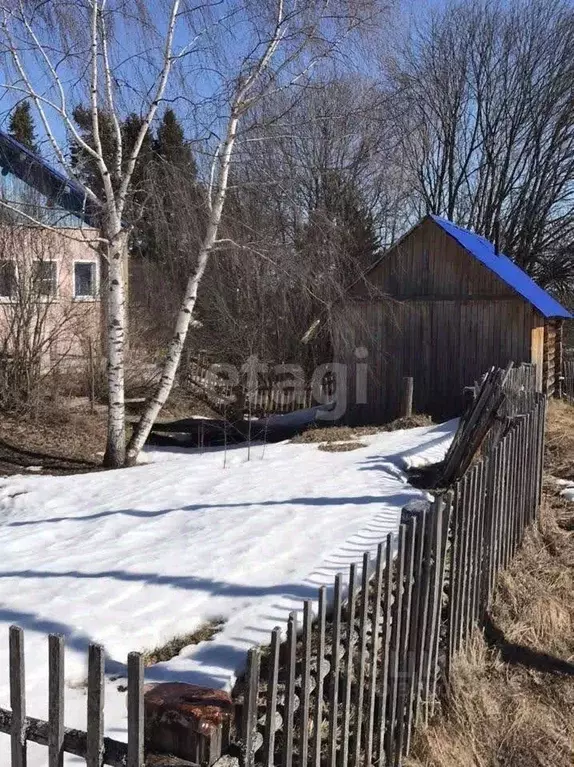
17 159
503 267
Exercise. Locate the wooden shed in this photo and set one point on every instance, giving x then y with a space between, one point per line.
442 306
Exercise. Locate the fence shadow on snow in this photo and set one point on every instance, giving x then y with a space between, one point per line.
348 688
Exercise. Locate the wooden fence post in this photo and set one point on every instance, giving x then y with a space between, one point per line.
305 683
271 713
95 739
56 700
290 689
407 397
335 671
250 706
136 712
17 697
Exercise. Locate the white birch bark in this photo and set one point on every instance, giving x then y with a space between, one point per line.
158 400
116 340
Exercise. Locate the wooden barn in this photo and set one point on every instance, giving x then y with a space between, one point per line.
442 306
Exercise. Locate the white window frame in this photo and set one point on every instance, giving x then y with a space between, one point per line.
51 296
96 295
10 299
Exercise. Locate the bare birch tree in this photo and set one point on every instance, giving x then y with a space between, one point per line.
290 42
120 57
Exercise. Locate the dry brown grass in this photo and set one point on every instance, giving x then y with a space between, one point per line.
340 447
174 646
348 433
59 438
560 439
511 702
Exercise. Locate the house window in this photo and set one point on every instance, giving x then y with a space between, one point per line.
7 278
45 278
84 279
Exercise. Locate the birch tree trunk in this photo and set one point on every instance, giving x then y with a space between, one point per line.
159 398
116 336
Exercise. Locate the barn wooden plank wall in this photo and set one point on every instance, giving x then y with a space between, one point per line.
433 312
443 345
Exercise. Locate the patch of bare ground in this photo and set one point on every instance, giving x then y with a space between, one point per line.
67 435
340 447
59 439
348 433
511 700
174 646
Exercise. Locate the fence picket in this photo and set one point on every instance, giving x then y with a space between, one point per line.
55 700
385 644
473 510
415 626
360 691
441 565
250 707
375 635
95 729
271 712
467 512
410 549
135 710
305 683
321 625
454 578
290 689
335 671
17 697
395 643
435 592
479 538
349 635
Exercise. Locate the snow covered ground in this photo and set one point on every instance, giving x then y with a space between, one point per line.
134 557
567 488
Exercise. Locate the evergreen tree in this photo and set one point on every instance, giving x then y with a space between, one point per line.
339 236
170 144
354 222
84 163
22 127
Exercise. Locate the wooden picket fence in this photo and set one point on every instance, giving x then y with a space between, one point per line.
58 739
269 394
347 687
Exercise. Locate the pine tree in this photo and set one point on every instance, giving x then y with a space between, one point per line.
353 220
83 162
170 144
22 127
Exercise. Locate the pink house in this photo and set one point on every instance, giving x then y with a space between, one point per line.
50 263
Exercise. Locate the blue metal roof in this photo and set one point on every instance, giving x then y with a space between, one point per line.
33 170
503 267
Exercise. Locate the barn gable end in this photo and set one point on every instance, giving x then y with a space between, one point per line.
432 310
428 263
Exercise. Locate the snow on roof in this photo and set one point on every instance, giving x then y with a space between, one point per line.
503 267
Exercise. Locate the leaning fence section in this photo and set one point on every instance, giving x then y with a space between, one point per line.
348 685
58 740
